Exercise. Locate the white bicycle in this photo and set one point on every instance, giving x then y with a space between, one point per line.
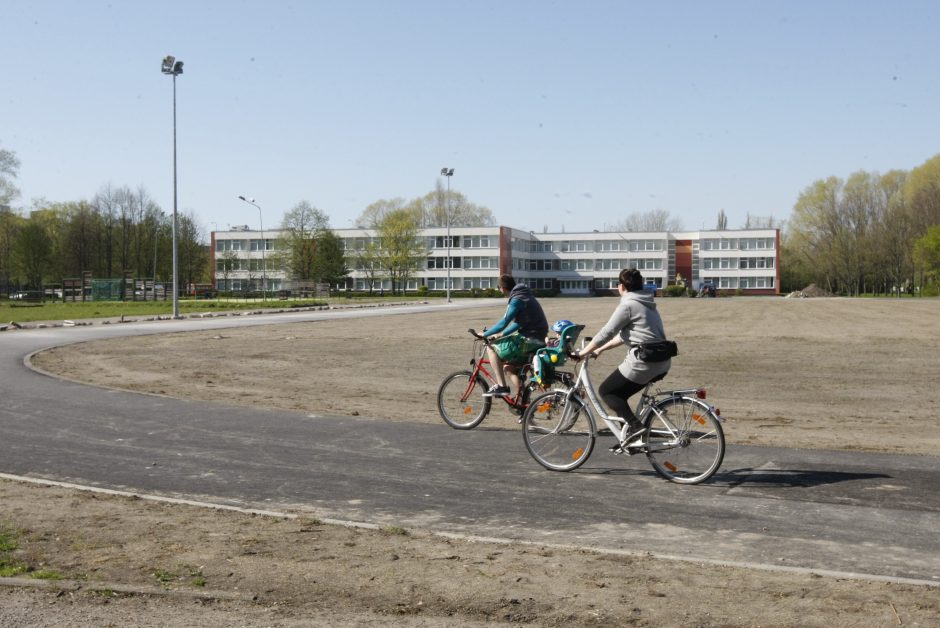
682 435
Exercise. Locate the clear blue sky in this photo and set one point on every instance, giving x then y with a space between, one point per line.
565 115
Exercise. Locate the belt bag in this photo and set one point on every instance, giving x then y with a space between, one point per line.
659 351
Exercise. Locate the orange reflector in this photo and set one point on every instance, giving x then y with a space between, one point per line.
545 407
698 417
577 453
467 410
670 466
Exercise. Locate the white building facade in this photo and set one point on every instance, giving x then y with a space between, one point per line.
737 261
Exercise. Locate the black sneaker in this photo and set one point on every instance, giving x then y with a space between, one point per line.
497 391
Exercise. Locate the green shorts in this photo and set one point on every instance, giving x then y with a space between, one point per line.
516 348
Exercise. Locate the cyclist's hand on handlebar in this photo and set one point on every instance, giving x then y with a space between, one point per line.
577 356
476 334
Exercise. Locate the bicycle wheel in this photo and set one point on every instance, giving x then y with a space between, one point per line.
684 440
461 402
558 431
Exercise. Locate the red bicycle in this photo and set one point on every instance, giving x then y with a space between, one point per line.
460 397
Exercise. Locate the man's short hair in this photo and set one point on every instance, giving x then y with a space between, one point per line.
631 279
506 281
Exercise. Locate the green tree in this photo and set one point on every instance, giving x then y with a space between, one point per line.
9 167
795 271
434 209
225 264
296 249
368 260
33 252
192 254
81 234
373 215
927 254
438 209
816 233
329 260
402 252
892 233
10 225
922 195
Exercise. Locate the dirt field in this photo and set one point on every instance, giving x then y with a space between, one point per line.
825 373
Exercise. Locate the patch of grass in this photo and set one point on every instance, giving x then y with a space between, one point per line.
196 577
46 575
162 576
395 531
58 311
8 538
10 566
181 573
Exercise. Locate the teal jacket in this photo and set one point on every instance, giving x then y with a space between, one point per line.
523 314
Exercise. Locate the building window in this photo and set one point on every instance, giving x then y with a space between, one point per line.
441 262
757 262
479 242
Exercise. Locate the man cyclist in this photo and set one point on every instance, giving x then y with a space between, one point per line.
522 331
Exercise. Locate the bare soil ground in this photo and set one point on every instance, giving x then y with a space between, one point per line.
824 373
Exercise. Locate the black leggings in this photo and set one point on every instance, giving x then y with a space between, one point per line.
616 390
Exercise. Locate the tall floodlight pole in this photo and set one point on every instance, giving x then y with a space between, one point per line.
264 269
174 68
448 172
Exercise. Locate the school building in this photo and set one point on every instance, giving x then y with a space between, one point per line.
568 263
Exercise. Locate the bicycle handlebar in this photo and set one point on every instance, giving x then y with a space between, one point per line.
578 358
478 335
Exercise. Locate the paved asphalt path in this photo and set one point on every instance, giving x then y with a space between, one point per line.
845 513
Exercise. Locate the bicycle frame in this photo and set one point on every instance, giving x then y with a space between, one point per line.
681 435
646 405
479 363
462 400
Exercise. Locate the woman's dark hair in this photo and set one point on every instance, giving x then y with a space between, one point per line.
506 281
631 279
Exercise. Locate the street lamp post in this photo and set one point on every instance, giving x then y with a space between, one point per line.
174 68
448 172
264 269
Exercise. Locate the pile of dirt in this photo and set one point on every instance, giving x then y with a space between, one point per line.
810 291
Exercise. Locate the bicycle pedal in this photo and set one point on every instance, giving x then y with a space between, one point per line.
617 450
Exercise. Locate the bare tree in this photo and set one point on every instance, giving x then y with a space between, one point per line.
652 220
373 215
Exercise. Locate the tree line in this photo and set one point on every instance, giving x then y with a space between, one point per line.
120 230
868 234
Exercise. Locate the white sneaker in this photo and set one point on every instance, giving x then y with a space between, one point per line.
497 391
634 436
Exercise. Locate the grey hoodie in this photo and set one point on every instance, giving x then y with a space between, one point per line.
637 321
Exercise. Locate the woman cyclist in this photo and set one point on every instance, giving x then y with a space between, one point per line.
634 322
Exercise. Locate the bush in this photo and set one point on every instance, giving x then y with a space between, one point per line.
674 291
